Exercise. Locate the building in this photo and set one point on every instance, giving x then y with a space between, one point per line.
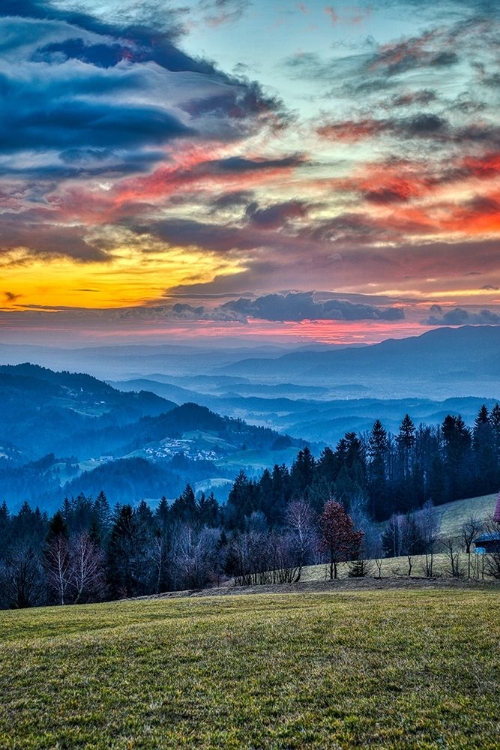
489 542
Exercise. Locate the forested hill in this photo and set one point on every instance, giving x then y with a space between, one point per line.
45 411
70 433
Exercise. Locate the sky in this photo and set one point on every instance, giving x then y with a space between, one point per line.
283 171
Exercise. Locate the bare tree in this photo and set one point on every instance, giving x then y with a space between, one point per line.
58 567
470 529
193 554
284 564
249 558
452 551
159 556
86 578
21 579
300 523
492 564
378 554
430 522
392 538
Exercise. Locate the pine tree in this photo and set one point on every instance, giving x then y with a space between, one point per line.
378 451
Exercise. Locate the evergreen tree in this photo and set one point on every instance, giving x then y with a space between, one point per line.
483 441
184 507
378 450
302 474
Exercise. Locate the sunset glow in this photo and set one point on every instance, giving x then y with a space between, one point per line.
183 167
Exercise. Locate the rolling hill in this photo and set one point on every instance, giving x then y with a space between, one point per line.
63 433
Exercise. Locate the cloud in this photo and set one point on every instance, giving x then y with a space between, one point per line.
46 241
275 216
219 12
459 316
231 200
297 306
74 88
280 308
332 14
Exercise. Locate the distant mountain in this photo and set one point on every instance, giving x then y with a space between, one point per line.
444 361
174 393
132 361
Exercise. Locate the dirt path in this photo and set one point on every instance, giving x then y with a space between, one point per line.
342 584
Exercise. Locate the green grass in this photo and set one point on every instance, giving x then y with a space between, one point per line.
398 566
454 514
381 669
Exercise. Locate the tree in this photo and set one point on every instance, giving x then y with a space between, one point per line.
122 554
413 542
194 555
338 540
57 559
87 576
429 522
457 447
21 578
392 537
470 529
378 449
300 524
452 551
242 500
302 473
405 464
484 445
184 508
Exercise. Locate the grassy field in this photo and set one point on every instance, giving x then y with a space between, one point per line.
454 514
390 566
381 669
398 566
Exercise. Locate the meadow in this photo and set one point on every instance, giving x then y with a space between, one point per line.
372 668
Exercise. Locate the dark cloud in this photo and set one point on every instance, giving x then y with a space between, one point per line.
69 86
273 217
48 241
410 98
297 306
190 233
415 53
289 307
238 164
101 55
87 125
459 316
232 200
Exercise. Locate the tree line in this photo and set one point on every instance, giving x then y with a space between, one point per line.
87 552
385 473
318 510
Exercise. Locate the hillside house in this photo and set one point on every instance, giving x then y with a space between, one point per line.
489 542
